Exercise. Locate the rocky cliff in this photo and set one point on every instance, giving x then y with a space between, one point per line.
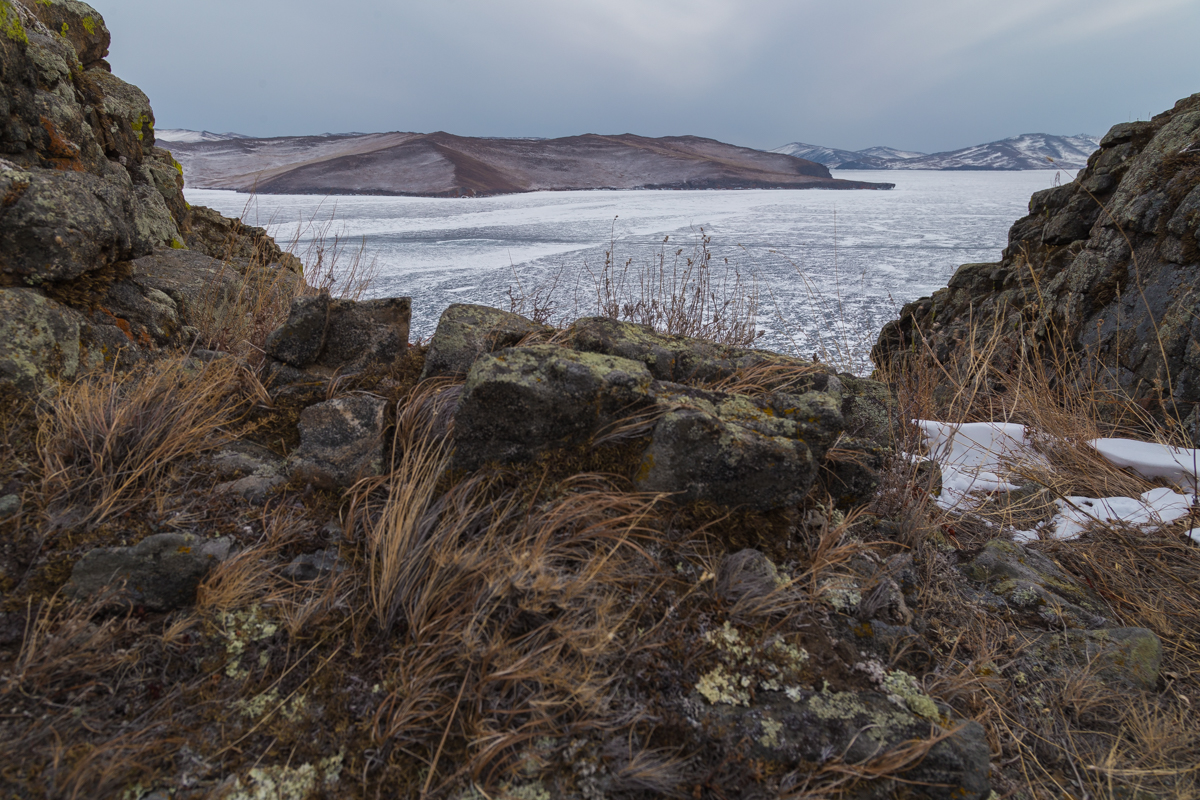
1103 272
99 251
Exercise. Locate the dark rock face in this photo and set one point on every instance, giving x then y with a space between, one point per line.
522 401
1106 268
159 573
323 336
341 441
699 456
465 332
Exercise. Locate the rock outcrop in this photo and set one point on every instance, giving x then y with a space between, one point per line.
85 196
731 426
1104 270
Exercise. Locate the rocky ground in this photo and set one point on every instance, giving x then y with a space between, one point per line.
255 543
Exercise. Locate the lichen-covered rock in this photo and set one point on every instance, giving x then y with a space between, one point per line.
696 455
803 727
1033 586
59 225
325 336
79 24
1105 269
465 332
341 441
39 341
1123 657
159 573
521 402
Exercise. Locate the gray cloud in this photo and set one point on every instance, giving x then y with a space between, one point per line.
929 75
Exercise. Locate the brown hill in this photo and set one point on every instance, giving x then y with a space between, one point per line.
442 164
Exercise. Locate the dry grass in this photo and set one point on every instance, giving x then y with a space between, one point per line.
107 441
511 606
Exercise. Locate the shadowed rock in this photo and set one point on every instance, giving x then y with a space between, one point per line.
324 336
697 456
159 573
341 441
523 401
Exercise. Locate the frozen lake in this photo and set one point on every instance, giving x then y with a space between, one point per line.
831 267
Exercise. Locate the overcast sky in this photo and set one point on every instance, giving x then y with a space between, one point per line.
926 75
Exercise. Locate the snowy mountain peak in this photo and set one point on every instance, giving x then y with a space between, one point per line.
191 137
1027 151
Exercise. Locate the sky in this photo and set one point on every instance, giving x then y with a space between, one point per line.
924 75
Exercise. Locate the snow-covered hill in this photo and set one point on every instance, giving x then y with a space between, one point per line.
1027 151
191 137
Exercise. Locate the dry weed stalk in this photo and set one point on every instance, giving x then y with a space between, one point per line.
249 297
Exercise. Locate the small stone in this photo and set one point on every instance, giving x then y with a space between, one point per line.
9 504
160 573
254 488
311 566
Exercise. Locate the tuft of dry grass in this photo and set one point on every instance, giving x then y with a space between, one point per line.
108 440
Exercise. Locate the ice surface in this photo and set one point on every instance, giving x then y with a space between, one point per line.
831 266
1151 460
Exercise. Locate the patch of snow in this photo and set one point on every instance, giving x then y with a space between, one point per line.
1194 535
1155 507
976 457
1150 460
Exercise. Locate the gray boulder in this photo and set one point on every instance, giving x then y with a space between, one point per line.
524 401
341 441
465 332
324 336
159 573
39 341
696 455
1032 586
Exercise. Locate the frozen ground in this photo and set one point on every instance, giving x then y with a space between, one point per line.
977 457
831 267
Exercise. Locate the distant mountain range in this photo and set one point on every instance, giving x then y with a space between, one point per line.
1027 151
441 164
191 137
